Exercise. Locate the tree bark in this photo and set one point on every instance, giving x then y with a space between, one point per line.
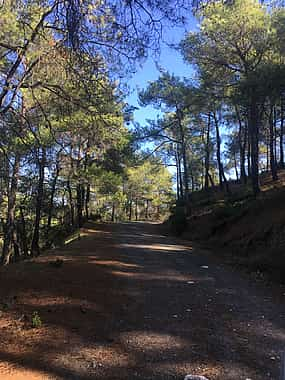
136 209
222 178
146 209
207 154
35 249
52 194
185 164
24 241
273 167
178 173
113 212
130 209
242 136
10 223
254 148
281 162
79 205
87 201
180 176
71 203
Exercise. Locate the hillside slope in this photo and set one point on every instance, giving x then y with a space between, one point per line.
250 231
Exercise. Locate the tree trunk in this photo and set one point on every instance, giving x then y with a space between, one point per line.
87 201
207 156
281 162
267 149
222 177
242 136
71 203
236 169
52 194
177 163
248 156
79 205
253 127
211 180
275 134
180 177
185 164
136 209
146 209
10 223
35 249
24 241
273 167
16 245
130 209
113 212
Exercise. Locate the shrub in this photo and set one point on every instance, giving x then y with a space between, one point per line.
178 220
36 320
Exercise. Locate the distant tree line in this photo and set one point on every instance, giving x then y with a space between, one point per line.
227 121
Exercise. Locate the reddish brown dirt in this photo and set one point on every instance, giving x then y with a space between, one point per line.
130 303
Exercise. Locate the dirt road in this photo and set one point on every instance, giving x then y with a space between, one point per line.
130 303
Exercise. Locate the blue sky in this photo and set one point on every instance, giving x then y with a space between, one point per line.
169 59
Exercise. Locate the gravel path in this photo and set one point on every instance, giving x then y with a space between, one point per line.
130 303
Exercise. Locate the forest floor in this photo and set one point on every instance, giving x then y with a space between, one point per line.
127 302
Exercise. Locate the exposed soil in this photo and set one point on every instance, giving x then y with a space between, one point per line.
246 231
127 302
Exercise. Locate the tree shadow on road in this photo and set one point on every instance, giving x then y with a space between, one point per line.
130 303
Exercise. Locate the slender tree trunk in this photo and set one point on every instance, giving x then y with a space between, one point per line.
236 169
79 190
24 233
273 167
177 176
136 209
52 194
248 156
282 135
242 144
10 223
113 212
222 177
79 205
71 203
87 201
69 189
35 249
180 177
211 180
16 245
130 209
267 149
207 156
146 209
254 139
275 134
86 192
185 164
192 181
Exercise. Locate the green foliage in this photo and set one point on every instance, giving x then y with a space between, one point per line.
36 320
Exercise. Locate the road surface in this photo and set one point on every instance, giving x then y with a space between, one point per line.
127 302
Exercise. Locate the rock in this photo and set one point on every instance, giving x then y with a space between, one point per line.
195 377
